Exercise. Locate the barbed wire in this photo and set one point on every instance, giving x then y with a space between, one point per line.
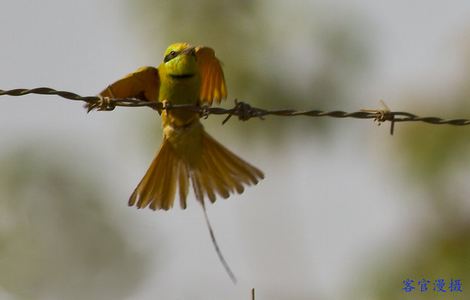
242 110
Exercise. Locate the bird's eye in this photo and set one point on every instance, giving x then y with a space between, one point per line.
170 56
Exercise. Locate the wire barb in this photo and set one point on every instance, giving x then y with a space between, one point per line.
242 110
382 115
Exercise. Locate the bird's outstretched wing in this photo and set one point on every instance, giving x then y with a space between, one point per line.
213 86
143 84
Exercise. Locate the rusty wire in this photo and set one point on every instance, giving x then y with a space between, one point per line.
242 110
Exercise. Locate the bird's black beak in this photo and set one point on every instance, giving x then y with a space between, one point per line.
189 51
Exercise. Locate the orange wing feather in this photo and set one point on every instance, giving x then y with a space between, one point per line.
144 84
213 86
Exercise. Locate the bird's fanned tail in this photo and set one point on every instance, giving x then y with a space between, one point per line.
218 171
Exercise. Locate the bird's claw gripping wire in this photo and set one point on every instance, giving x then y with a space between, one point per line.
204 112
166 105
102 104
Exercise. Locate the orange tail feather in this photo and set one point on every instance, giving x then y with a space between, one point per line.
219 171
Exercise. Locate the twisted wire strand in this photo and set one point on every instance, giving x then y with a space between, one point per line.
242 110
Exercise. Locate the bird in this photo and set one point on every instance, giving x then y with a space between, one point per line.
190 75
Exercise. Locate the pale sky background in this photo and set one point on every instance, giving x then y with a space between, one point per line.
324 213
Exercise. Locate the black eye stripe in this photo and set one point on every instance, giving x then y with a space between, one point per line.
170 56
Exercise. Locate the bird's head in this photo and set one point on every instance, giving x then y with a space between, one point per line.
180 61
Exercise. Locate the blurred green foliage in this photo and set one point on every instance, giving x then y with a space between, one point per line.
57 238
